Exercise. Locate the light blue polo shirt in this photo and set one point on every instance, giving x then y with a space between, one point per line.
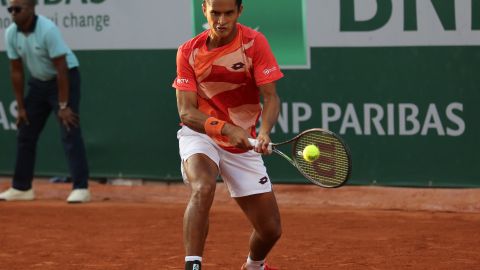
37 49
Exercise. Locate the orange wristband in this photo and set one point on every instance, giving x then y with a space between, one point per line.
213 126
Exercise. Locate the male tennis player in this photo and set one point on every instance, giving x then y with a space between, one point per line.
221 74
34 42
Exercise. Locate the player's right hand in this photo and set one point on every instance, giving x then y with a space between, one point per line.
237 136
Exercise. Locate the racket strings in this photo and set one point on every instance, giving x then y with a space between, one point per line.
331 168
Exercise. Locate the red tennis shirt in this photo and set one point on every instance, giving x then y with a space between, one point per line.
226 79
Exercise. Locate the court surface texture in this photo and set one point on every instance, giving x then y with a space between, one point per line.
140 227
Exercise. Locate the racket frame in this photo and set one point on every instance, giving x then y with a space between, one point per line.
273 147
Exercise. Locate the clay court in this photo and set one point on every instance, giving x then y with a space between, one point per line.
140 227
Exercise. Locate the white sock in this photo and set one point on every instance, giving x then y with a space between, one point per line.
254 265
193 258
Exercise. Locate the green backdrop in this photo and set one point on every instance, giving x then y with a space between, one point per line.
129 115
290 52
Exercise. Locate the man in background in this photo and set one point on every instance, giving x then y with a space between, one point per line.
35 43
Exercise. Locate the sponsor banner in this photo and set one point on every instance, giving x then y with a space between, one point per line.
374 119
408 114
114 24
397 79
153 24
366 23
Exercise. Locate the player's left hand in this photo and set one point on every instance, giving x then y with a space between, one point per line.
262 144
68 118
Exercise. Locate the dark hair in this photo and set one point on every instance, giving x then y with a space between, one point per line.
239 3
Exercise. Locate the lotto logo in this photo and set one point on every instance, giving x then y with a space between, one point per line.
238 66
263 180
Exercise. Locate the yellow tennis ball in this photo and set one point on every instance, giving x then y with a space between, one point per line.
311 153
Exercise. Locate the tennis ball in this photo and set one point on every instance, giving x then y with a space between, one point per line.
311 153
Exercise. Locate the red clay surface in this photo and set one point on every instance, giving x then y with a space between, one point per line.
140 227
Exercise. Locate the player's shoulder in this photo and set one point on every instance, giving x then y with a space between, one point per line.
249 34
193 43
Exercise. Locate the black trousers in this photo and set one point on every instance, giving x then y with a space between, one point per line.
41 100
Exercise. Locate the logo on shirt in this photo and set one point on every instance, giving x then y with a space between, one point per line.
238 66
182 81
267 71
214 123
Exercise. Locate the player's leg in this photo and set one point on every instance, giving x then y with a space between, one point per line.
262 212
200 171
248 182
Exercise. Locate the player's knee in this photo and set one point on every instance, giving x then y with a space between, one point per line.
272 233
203 191
277 233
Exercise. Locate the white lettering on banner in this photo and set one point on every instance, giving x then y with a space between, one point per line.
455 119
390 120
297 117
403 119
14 113
300 112
283 118
4 122
368 108
409 122
327 117
410 118
350 120
432 120
3 118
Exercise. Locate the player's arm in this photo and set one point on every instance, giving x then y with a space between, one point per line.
67 117
188 111
195 119
17 77
271 109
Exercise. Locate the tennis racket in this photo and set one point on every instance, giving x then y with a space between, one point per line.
331 169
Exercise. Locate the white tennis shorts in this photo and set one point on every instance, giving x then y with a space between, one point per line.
244 173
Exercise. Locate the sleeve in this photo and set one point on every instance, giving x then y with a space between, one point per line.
266 68
9 46
56 46
185 79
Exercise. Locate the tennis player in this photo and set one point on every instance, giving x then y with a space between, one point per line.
221 75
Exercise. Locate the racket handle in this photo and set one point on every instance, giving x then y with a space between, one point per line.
253 142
